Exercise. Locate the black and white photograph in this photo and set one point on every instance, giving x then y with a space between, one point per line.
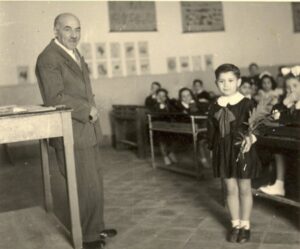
149 124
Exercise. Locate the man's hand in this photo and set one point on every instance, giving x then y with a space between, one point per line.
94 114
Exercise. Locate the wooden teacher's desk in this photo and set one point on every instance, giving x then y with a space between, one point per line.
41 125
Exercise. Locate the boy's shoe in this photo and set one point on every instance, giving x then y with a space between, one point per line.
167 161
233 234
243 236
173 157
276 189
205 163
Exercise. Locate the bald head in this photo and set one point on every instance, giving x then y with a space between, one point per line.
67 30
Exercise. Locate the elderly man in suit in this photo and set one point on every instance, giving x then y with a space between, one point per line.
63 79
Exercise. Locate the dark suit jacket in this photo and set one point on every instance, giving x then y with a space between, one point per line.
63 82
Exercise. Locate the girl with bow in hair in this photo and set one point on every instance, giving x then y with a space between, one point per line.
226 121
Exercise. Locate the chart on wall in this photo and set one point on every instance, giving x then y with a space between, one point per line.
202 16
296 16
129 16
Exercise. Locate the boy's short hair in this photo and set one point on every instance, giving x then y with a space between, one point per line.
245 80
225 68
156 83
162 90
195 81
253 64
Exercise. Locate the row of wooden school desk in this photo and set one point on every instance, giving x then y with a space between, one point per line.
132 126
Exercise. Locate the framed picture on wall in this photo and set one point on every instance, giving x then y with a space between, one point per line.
115 50
172 64
202 16
296 16
129 50
86 50
132 16
102 69
117 68
184 63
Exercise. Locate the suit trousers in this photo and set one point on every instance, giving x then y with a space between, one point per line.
90 189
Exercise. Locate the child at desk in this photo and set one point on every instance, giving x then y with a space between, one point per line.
201 95
246 87
287 113
186 102
226 120
164 105
150 101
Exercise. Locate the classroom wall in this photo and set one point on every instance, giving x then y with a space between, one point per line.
260 32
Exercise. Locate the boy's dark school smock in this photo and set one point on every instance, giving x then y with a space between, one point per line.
225 152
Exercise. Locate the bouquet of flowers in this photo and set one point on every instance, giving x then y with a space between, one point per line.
258 116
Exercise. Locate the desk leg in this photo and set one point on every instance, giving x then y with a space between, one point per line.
151 142
46 175
72 182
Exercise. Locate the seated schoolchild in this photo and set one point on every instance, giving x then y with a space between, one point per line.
200 94
287 113
186 102
245 87
254 74
267 93
151 99
164 105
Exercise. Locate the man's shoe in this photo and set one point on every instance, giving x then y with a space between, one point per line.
98 244
108 233
244 235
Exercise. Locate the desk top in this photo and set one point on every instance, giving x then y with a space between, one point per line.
20 111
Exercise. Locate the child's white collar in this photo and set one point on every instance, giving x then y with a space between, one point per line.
232 100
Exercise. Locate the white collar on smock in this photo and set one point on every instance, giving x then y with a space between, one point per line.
68 51
232 99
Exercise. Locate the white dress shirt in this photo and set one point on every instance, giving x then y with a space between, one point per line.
68 51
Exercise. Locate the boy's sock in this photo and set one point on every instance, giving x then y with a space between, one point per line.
245 224
236 223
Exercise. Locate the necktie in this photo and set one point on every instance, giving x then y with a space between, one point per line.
77 58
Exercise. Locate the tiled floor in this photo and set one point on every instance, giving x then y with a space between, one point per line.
155 209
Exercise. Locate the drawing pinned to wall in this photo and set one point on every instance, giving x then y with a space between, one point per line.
172 64
296 16
197 63
209 62
23 74
86 50
184 63
131 67
101 50
102 69
143 49
132 16
129 50
145 66
202 16
117 68
115 50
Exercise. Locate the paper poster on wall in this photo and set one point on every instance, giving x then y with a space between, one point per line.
171 64
115 50
201 16
145 66
197 63
101 50
102 69
184 63
129 50
116 68
131 67
209 63
143 49
296 16
134 16
86 50
23 74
